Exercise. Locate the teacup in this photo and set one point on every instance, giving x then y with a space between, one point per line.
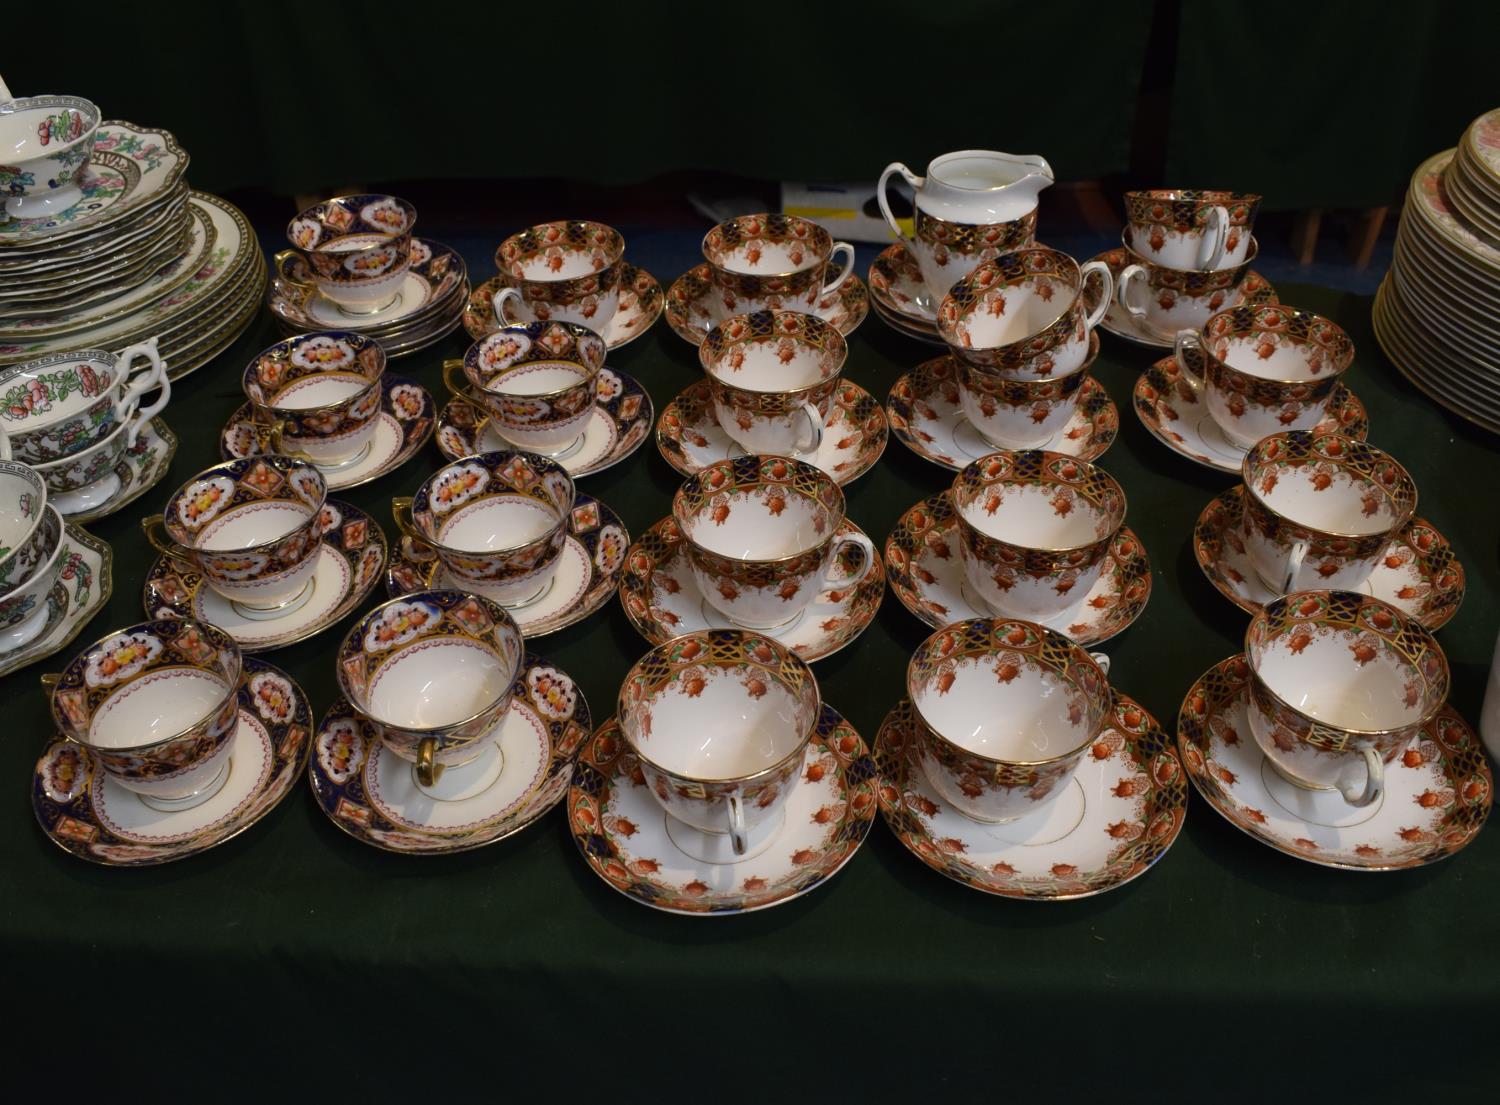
1005 711
762 534
1267 369
560 272
320 395
23 495
1340 683
1034 530
62 404
535 382
354 250
1021 414
1170 299
23 606
1189 228
1321 509
497 521
719 720
1022 316
252 527
772 375
157 704
434 672
46 143
771 261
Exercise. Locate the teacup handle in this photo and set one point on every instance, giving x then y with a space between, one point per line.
1132 275
1293 566
4 446
155 528
50 679
1215 238
838 281
1374 782
885 207
815 428
501 298
459 385
739 834
1102 660
401 512
1186 339
868 563
429 771
269 439
280 263
1106 289
154 377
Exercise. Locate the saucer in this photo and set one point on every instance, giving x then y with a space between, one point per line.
1167 402
926 570
1123 809
1419 575
1254 290
429 282
900 293
87 813
854 434
1437 791
662 599
587 573
926 417
916 333
349 564
405 424
640 305
372 794
83 586
624 837
620 422
138 470
687 312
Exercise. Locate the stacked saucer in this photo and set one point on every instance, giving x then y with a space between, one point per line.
1437 315
136 255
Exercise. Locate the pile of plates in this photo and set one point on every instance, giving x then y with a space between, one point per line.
140 255
1437 315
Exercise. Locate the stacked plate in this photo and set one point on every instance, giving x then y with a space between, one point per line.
1437 315
429 306
141 255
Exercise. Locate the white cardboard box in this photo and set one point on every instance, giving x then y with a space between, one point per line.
848 211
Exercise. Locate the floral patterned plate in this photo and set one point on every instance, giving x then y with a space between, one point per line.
662 599
687 309
83 587
1123 808
405 424
73 287
436 273
623 834
235 253
926 570
899 292
372 795
350 564
188 354
621 421
172 274
641 302
139 470
1167 403
587 573
131 166
1420 574
926 417
85 812
1437 792
854 433
1254 289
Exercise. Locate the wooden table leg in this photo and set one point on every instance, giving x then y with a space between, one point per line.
1305 235
1366 234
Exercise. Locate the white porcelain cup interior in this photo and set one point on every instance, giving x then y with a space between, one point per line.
445 681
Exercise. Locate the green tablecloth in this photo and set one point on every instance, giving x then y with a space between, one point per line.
294 957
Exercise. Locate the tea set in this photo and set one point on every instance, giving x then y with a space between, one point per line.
722 782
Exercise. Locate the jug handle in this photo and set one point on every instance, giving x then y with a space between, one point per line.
885 208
